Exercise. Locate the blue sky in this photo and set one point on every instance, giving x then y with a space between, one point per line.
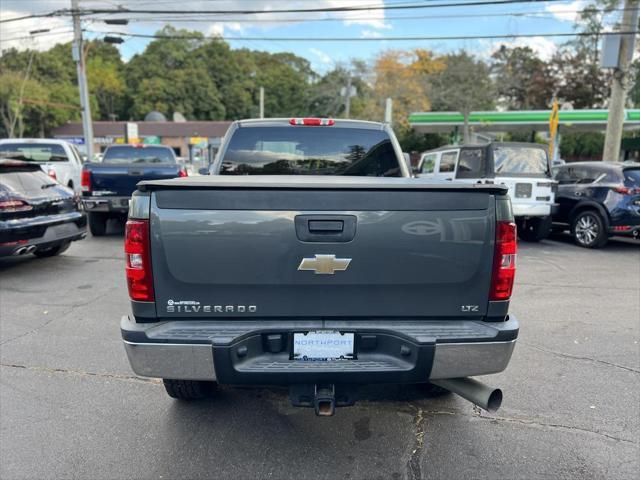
538 18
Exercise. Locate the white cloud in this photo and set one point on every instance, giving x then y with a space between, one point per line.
17 34
322 56
373 17
566 12
370 34
543 46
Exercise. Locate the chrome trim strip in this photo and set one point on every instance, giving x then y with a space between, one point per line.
171 360
454 360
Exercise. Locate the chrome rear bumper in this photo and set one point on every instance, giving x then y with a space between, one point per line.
195 361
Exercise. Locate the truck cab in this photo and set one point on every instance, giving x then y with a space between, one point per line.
522 167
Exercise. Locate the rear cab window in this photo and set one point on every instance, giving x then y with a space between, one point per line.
138 154
17 179
34 152
310 150
516 161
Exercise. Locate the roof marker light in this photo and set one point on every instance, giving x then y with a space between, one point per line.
316 122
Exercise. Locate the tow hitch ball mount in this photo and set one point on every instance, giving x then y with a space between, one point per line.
323 397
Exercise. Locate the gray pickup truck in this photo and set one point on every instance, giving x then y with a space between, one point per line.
338 271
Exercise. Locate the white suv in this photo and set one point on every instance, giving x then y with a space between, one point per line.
523 167
59 159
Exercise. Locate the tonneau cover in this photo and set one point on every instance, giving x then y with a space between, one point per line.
313 182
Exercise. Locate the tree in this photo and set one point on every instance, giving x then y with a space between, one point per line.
107 85
14 89
634 91
169 77
402 76
285 78
523 80
576 64
326 99
465 85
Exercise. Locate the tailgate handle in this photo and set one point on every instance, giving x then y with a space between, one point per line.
325 228
136 172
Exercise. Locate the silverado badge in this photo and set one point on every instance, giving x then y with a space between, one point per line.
324 264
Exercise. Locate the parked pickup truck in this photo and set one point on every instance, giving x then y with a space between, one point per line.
320 283
107 186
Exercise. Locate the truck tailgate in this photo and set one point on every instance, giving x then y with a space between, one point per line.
261 252
121 179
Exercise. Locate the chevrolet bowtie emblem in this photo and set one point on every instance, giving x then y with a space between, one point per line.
324 264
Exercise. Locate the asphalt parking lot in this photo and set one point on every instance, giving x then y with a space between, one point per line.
71 408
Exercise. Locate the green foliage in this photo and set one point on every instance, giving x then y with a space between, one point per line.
463 86
523 80
411 141
583 145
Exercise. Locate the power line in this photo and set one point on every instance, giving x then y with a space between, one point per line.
364 39
33 15
29 37
94 11
200 19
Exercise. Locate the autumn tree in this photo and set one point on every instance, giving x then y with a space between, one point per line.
402 76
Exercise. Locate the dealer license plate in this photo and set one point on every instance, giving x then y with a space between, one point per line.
323 345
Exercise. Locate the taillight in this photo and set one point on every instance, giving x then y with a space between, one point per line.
138 260
85 181
52 174
626 190
504 261
7 206
315 122
183 172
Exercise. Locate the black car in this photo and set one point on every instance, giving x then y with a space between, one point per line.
597 200
37 214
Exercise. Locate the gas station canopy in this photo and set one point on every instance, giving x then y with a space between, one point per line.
523 121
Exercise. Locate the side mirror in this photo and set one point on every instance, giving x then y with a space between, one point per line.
203 171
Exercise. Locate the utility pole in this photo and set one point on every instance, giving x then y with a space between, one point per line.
347 98
261 102
620 82
78 56
388 111
348 92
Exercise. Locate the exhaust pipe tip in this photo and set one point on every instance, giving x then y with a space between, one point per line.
30 249
494 401
488 398
20 251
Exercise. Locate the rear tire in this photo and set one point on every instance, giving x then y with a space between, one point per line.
97 224
188 389
52 251
588 230
533 229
